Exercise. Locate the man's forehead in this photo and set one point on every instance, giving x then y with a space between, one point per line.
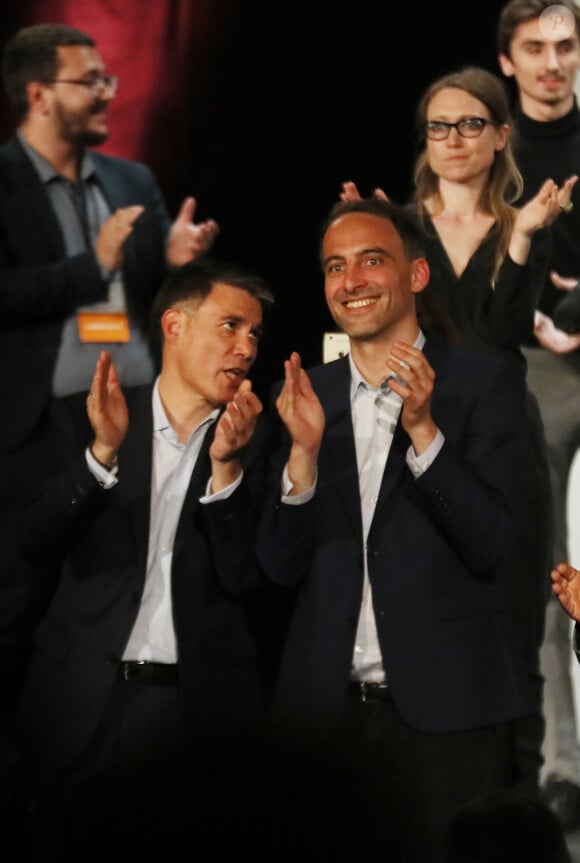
359 230
226 297
79 56
533 30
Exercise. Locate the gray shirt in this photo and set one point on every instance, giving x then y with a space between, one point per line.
81 209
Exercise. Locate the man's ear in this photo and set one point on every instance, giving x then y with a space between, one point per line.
171 324
38 98
420 274
506 65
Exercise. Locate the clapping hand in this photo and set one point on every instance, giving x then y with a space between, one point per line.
107 410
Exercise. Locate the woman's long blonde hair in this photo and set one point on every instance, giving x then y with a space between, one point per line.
505 182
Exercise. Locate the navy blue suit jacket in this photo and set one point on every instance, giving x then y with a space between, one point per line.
101 539
40 287
434 545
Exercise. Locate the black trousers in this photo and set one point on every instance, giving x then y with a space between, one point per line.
412 783
25 591
80 811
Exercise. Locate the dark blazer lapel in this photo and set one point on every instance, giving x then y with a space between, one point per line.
29 198
436 352
112 186
202 469
196 488
135 465
334 393
396 461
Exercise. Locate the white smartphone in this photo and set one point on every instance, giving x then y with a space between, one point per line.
334 346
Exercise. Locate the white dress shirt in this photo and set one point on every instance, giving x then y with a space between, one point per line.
153 635
375 413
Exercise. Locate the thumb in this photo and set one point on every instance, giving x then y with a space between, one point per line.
187 211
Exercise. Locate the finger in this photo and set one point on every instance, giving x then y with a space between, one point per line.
101 376
128 215
565 572
294 366
236 415
401 388
563 283
284 395
545 191
286 399
187 210
226 427
252 404
239 422
244 397
378 193
350 191
247 406
212 227
305 385
112 376
402 352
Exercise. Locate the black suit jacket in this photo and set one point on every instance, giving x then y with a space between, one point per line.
101 537
433 548
40 287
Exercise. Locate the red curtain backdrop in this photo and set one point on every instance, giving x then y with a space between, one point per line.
159 50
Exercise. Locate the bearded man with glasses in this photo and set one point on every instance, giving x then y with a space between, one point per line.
85 240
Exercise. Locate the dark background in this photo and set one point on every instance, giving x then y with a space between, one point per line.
261 110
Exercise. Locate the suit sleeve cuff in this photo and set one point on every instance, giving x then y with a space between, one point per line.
418 464
294 499
106 478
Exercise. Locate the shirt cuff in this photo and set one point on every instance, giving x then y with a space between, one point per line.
223 494
106 274
295 499
106 478
418 464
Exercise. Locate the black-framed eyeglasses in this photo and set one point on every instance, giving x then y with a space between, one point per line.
469 127
96 85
